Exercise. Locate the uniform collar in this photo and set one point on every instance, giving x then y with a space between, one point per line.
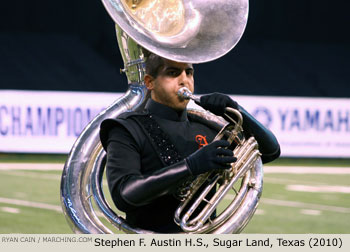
165 112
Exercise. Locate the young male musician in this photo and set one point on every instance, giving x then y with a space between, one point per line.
152 152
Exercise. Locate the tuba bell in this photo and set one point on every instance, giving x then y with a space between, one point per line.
192 31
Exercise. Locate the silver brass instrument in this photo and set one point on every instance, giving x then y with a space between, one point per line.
248 165
192 31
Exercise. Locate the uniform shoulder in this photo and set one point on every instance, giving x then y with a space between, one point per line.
123 120
127 115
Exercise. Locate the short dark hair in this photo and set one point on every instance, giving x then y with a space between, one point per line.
153 64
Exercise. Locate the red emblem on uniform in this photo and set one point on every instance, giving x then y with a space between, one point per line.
201 140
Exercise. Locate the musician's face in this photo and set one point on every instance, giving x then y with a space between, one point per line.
171 77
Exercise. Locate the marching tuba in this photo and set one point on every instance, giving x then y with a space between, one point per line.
192 31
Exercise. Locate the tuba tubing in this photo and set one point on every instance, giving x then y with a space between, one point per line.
76 188
82 196
248 165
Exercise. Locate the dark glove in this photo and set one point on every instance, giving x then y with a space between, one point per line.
211 157
216 103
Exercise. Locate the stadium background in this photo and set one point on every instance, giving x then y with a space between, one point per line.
290 48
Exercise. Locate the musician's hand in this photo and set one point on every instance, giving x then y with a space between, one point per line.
216 103
211 156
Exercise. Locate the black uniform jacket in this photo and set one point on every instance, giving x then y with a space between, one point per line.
132 153
134 157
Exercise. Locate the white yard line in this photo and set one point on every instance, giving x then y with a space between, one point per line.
298 204
10 210
282 181
25 203
308 186
319 188
307 170
32 166
305 205
311 212
34 175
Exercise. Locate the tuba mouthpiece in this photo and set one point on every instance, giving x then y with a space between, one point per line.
186 94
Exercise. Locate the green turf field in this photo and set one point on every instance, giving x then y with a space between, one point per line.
30 200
